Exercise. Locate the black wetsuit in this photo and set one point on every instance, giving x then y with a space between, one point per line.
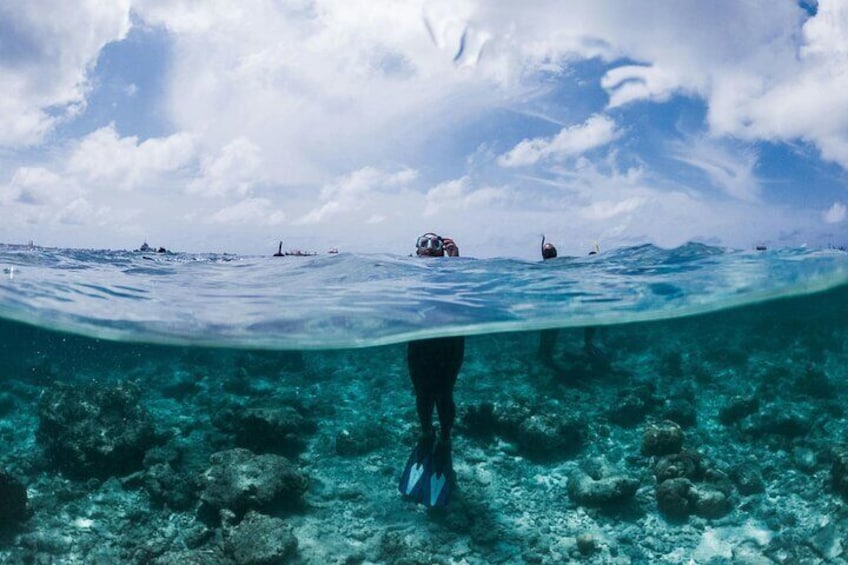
547 342
548 338
433 366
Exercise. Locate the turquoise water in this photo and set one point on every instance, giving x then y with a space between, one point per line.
129 380
346 300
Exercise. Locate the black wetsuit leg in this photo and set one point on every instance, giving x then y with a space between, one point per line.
589 339
433 367
547 341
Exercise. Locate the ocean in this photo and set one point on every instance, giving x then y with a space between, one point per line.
642 405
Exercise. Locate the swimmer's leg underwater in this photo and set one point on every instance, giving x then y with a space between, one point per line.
434 365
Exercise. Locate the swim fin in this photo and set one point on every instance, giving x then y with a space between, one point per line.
441 478
417 470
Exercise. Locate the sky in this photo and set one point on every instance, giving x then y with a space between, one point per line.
218 126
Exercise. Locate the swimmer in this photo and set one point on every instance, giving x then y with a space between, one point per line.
428 477
547 338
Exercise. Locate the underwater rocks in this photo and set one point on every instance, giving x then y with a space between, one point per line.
359 440
94 431
839 472
662 438
238 481
603 487
678 498
828 542
399 548
194 557
685 484
541 433
548 436
709 501
279 430
748 479
681 411
815 383
168 488
633 405
738 408
261 540
7 403
586 544
782 420
509 417
479 420
779 419
687 464
673 498
13 500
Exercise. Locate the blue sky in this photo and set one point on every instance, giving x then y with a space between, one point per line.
359 124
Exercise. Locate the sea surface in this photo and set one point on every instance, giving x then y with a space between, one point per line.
348 300
140 391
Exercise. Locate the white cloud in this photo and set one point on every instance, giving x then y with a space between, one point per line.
236 169
37 186
39 198
445 195
485 196
597 202
316 86
606 210
77 213
269 106
630 83
836 213
457 196
104 159
320 214
596 132
48 49
730 170
765 78
251 211
355 192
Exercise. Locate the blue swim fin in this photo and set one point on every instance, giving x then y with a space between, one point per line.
441 478
417 470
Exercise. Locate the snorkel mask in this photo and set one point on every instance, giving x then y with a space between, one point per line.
430 242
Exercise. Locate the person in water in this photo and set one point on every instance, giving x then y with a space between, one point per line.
547 338
434 364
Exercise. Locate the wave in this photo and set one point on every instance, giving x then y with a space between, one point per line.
352 300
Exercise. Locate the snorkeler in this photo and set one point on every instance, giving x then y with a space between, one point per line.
589 332
549 251
547 338
434 364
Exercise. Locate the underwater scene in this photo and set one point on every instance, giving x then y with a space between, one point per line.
641 406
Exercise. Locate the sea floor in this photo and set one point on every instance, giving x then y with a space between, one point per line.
758 396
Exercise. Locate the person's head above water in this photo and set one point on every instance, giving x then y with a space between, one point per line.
548 250
433 245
